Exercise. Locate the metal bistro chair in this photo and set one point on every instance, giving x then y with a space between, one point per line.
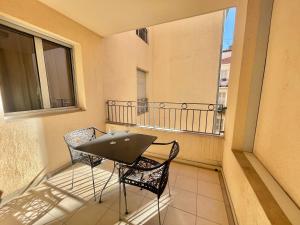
149 174
79 137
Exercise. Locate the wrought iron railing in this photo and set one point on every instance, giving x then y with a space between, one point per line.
171 116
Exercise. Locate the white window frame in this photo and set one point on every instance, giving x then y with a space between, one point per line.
38 35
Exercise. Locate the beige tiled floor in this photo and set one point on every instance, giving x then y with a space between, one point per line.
196 199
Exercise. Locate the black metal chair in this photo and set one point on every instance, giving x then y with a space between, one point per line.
79 137
149 174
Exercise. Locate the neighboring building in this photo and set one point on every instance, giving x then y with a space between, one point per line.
223 88
180 58
224 77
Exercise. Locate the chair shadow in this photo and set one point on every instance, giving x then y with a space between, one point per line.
32 206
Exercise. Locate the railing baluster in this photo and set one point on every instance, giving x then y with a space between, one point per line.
108 110
193 120
119 113
169 118
154 125
213 124
199 127
131 121
186 119
144 115
159 117
149 122
180 118
112 109
221 123
127 114
164 118
175 119
206 121
123 113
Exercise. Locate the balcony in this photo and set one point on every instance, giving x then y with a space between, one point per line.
67 65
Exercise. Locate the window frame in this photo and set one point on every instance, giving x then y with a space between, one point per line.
144 100
38 36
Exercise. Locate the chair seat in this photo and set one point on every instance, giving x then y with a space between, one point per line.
85 159
147 180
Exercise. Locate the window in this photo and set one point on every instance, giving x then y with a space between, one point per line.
223 75
59 74
222 97
34 73
143 34
142 100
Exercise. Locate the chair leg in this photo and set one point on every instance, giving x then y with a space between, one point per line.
72 177
158 210
112 173
141 180
93 183
124 190
169 188
119 193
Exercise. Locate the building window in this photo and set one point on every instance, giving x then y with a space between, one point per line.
222 97
34 73
223 75
142 100
143 34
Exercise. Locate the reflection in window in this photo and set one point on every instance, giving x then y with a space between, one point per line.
19 78
59 74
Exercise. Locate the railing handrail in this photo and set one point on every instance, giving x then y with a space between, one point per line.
167 102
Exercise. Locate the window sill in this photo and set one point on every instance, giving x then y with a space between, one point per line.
41 113
276 203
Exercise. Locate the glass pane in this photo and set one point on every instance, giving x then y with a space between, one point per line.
19 77
59 74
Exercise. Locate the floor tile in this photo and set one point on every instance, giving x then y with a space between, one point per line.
66 208
110 218
110 197
211 190
89 214
134 201
201 221
147 213
179 217
186 183
187 171
208 175
184 200
172 179
212 210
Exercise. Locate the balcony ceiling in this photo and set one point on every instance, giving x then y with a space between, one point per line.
107 17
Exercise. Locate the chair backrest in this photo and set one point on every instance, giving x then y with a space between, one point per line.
166 165
78 137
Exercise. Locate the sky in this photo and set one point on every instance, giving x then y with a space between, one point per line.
229 28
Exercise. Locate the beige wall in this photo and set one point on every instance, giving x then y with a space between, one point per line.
246 205
123 54
277 141
27 146
186 58
182 61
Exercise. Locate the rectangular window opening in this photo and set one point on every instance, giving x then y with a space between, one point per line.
142 99
35 73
